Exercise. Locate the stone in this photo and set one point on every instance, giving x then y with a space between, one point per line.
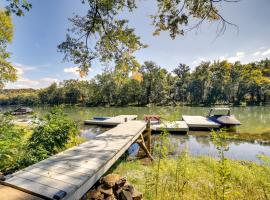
128 188
125 195
110 180
106 191
2 177
136 195
121 182
95 194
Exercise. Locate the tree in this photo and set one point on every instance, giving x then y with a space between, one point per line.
18 7
182 82
113 41
7 71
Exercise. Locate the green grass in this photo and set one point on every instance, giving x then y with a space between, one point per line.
189 177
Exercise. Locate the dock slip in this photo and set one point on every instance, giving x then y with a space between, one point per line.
71 173
176 126
112 121
194 122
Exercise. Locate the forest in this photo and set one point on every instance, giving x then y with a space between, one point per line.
218 82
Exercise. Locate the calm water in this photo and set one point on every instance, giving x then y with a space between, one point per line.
254 120
239 150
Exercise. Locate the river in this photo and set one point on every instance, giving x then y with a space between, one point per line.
254 120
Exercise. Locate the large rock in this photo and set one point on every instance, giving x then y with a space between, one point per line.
113 187
125 195
95 195
136 195
106 191
110 180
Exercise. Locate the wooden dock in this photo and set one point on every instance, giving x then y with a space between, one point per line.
199 122
113 121
70 174
175 127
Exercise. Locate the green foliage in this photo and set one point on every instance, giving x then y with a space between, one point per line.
18 7
219 82
222 174
115 42
11 143
53 133
188 177
21 147
7 71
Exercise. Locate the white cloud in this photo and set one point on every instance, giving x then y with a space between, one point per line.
32 83
72 70
198 61
265 53
240 54
21 68
257 53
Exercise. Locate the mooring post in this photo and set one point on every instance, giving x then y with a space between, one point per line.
148 136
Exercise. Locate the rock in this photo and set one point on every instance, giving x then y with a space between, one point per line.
136 195
128 188
121 182
125 195
95 194
110 180
2 177
106 191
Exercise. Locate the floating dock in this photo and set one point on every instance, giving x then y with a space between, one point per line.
113 121
71 173
176 127
199 122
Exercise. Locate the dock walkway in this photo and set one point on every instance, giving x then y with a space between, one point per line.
113 121
70 174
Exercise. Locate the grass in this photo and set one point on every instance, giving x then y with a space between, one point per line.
189 177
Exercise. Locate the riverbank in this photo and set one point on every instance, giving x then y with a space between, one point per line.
188 177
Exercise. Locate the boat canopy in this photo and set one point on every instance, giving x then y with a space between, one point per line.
220 109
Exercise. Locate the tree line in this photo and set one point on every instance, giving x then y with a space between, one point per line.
218 82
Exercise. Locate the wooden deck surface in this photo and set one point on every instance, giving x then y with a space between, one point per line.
175 126
113 121
74 171
199 122
9 193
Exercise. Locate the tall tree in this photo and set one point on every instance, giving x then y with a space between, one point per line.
113 41
182 82
7 71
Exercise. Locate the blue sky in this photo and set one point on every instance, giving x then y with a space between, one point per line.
36 36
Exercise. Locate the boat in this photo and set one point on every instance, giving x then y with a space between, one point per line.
22 111
224 120
212 120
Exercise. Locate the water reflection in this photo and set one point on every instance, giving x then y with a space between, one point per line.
199 146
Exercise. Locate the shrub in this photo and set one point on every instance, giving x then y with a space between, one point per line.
11 144
51 135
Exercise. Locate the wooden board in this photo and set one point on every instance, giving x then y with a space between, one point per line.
77 169
113 121
176 126
199 122
9 193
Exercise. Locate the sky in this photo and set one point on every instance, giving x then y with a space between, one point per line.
37 34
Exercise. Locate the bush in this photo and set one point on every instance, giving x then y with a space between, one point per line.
52 134
11 144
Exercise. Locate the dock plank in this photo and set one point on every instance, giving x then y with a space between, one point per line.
77 169
199 122
113 121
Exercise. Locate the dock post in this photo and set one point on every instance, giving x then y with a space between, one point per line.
148 136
